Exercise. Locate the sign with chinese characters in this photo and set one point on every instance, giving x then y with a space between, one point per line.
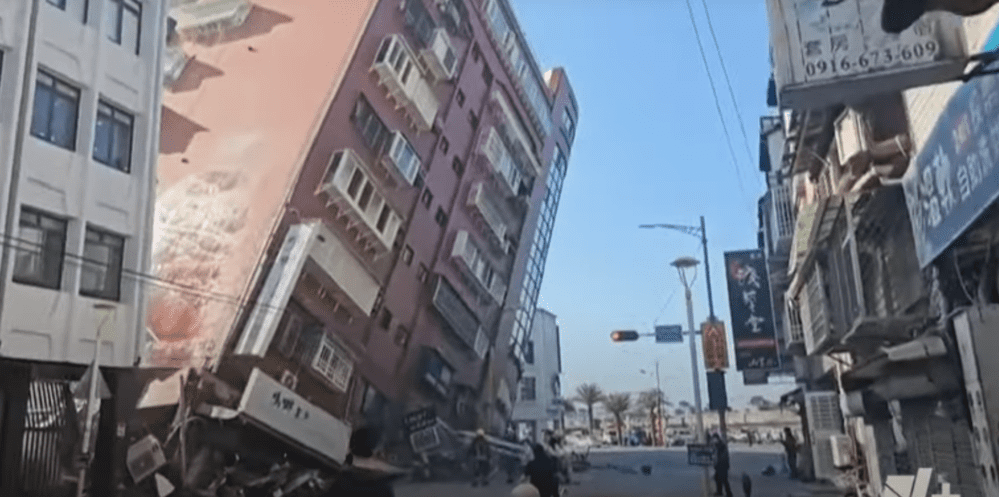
277 408
953 179
834 51
752 315
419 419
715 345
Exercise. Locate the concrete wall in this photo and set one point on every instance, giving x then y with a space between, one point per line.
544 335
59 325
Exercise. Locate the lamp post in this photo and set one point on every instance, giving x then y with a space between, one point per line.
682 265
702 233
104 313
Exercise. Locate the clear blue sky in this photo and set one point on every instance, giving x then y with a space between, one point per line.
649 149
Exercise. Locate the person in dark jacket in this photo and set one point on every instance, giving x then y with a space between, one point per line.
791 450
543 472
355 479
721 467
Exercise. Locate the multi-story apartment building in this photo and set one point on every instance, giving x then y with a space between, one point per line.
539 395
358 218
877 296
80 89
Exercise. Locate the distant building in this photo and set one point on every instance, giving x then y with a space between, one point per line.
539 398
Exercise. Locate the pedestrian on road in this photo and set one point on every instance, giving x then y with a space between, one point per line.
542 472
747 485
721 467
480 458
791 450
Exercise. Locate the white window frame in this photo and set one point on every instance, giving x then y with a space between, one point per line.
336 367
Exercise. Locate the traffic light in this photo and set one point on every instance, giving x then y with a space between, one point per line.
624 336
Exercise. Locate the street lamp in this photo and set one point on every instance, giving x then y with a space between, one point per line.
682 265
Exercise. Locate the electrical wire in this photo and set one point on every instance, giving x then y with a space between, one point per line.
714 92
728 82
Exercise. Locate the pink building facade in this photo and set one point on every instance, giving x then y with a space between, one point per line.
348 200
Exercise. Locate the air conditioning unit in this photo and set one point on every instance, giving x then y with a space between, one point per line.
289 379
842 451
144 458
440 57
211 15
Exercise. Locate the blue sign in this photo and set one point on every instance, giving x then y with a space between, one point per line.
953 179
672 333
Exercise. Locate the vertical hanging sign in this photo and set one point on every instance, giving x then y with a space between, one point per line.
753 333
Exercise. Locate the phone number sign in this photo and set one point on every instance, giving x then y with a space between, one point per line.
831 51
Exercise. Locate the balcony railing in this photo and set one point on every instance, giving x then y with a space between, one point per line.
509 126
351 191
311 248
478 200
782 216
501 161
439 56
455 312
398 72
473 262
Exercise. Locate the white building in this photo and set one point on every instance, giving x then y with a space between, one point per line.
80 87
538 404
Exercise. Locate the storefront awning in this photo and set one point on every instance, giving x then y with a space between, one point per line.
271 406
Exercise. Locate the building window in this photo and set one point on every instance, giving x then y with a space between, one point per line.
458 167
290 328
333 364
369 125
487 74
41 243
445 145
439 373
401 336
55 112
407 255
461 98
529 352
386 320
441 217
113 137
76 7
473 119
476 52
423 273
570 125
124 23
102 256
427 198
528 388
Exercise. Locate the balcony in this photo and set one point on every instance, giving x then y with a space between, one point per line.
456 313
781 218
212 15
309 248
399 74
489 214
439 57
509 126
401 159
474 264
501 162
351 193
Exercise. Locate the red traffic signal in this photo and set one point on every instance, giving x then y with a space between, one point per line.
624 336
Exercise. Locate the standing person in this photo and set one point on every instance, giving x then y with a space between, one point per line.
721 468
791 450
510 462
543 472
480 458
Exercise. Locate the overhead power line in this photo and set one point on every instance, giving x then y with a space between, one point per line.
728 82
714 93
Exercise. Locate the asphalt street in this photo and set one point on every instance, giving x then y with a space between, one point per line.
618 473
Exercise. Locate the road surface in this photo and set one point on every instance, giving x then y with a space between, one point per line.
618 473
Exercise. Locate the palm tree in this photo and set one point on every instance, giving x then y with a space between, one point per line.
650 402
589 394
618 404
